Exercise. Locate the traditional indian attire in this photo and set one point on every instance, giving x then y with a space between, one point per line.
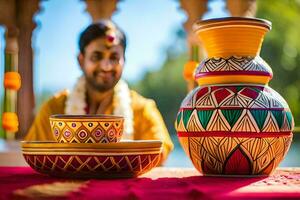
142 120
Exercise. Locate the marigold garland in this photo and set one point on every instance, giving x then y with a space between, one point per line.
10 121
12 80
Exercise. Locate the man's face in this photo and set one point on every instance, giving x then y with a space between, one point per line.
102 64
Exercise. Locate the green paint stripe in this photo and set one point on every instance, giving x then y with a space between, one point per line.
204 117
232 115
178 117
186 116
278 114
289 117
260 117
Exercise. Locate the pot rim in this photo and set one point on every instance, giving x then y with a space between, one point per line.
201 25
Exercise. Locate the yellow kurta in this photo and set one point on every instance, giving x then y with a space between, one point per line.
148 122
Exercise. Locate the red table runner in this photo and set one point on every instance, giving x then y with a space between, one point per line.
160 183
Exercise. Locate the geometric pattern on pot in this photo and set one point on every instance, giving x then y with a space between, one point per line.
236 109
84 132
93 166
235 155
234 64
123 159
92 132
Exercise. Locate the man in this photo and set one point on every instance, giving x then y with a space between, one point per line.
100 90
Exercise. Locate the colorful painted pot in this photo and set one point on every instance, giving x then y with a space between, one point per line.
87 128
113 160
233 123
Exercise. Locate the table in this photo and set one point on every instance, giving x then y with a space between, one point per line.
160 183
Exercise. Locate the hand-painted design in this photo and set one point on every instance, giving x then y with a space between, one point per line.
234 155
56 132
238 108
99 166
88 132
67 133
234 64
237 163
82 134
233 123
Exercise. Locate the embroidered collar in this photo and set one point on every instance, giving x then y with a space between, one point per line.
76 104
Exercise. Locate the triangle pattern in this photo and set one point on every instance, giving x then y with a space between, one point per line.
270 124
194 123
290 120
246 123
279 115
180 126
105 125
232 115
232 102
117 124
221 95
204 117
60 125
263 100
285 125
52 123
260 117
91 125
186 116
74 125
205 101
244 100
179 115
218 122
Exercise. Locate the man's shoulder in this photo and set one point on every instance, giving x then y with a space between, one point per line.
57 101
139 101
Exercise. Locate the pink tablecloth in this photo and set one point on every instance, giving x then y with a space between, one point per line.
161 183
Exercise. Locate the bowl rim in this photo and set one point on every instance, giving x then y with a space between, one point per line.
87 116
122 145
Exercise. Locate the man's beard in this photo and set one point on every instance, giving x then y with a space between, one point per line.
103 86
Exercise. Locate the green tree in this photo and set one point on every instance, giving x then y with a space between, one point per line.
281 48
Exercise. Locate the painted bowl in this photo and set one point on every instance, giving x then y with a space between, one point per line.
87 128
74 160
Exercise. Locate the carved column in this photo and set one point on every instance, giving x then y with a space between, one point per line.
101 9
242 8
25 13
194 10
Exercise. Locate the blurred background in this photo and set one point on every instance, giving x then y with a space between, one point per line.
158 47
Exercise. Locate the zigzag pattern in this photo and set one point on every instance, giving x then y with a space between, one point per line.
80 165
234 63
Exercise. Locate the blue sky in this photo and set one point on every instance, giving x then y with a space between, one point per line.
59 25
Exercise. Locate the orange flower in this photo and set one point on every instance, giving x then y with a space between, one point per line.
12 80
189 69
10 121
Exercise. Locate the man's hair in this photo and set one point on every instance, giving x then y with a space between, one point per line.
101 29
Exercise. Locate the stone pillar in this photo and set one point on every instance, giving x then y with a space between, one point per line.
25 13
194 10
101 9
242 8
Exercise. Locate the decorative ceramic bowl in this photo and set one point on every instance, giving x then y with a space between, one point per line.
113 160
87 128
